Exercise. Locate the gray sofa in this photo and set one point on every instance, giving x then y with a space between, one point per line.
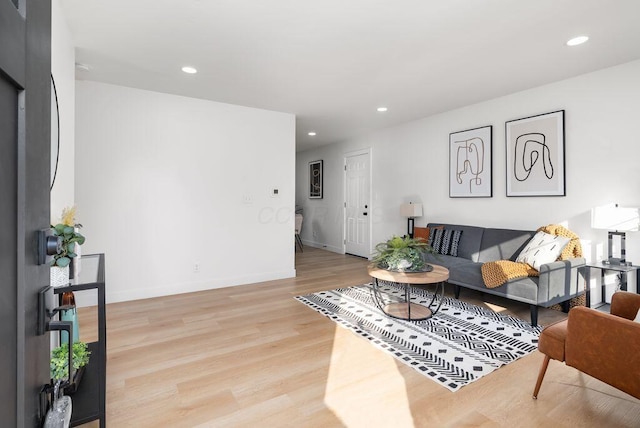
558 281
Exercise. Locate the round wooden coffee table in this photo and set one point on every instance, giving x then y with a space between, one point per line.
408 310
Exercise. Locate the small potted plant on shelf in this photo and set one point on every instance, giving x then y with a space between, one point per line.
67 230
60 364
70 238
402 254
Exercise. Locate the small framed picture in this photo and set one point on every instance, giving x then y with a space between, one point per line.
535 155
315 179
470 174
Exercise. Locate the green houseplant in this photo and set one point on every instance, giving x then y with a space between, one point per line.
67 231
60 360
402 254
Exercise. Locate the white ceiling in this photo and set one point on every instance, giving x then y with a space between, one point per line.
332 62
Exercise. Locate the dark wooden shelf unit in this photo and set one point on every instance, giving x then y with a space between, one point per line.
89 399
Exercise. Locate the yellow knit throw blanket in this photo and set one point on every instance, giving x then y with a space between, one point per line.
500 272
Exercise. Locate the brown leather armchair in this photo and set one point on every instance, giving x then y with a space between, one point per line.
605 346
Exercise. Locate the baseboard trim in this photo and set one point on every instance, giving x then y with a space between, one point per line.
191 287
323 246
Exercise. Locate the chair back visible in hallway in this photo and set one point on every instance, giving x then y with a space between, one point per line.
299 219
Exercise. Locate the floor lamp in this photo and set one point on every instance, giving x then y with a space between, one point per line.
411 211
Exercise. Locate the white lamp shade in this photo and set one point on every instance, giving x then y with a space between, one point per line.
411 210
612 217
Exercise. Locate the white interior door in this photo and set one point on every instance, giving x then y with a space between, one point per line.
357 228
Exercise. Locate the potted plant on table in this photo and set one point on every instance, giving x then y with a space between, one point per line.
60 364
402 254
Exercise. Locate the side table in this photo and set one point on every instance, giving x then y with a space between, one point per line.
623 269
408 310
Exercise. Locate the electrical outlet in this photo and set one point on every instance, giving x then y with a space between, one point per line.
196 267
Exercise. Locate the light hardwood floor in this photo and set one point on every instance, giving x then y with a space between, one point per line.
253 356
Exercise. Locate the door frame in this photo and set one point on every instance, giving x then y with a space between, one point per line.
367 151
25 63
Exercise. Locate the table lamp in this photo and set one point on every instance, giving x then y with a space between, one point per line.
411 211
617 220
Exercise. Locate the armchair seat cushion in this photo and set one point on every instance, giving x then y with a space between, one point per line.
552 340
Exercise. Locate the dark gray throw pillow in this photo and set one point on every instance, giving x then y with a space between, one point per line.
445 241
455 243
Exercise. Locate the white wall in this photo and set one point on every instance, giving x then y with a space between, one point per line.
63 71
410 163
166 182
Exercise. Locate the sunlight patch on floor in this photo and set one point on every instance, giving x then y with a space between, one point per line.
495 308
359 390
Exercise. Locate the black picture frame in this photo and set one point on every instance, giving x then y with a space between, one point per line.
315 179
535 155
471 163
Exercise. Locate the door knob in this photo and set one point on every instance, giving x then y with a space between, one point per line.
48 245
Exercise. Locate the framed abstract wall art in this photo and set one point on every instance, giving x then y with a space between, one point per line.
535 155
470 163
315 180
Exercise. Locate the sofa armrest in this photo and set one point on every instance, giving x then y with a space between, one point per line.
561 280
625 304
604 346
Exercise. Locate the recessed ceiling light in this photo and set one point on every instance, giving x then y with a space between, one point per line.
577 40
189 70
382 109
312 134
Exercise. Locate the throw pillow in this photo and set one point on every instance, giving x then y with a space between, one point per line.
432 233
455 242
542 248
436 242
445 241
637 318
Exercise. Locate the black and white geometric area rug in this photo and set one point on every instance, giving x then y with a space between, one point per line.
457 346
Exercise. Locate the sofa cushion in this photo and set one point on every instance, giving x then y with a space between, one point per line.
470 239
466 273
444 260
503 244
469 274
521 289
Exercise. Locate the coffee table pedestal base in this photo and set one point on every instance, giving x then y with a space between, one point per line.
401 310
408 310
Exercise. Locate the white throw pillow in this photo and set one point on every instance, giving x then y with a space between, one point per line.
637 319
543 248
